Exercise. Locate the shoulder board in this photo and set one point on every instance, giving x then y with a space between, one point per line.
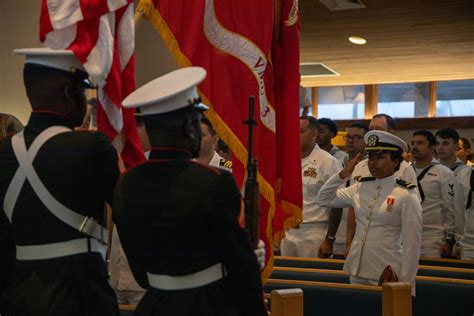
365 179
225 163
405 184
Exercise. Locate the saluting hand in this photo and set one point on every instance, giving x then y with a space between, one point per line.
344 173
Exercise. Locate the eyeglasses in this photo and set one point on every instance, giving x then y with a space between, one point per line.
354 138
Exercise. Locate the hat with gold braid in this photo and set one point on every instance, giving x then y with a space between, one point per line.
384 141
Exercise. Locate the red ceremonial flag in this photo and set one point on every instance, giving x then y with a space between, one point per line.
101 34
286 64
233 41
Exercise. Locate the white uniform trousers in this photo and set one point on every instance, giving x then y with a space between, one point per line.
305 240
431 247
363 281
467 251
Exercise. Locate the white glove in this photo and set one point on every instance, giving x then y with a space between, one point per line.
260 253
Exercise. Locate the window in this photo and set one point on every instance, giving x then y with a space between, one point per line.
455 98
404 100
339 103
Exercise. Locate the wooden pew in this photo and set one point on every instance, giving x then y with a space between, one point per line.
287 302
337 264
283 303
325 298
435 295
442 262
300 262
396 299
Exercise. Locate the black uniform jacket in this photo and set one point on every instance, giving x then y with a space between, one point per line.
176 217
80 170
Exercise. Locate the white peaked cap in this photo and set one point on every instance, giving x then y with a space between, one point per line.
379 141
59 59
168 93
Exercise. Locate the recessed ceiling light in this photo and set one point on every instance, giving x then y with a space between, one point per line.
357 40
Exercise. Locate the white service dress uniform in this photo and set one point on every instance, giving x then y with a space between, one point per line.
405 172
465 224
388 215
121 277
437 188
341 235
339 154
304 241
219 162
458 166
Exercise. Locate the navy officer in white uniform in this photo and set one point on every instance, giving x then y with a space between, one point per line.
53 186
387 210
177 219
313 237
208 154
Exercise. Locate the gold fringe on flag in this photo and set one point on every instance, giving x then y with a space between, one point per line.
147 8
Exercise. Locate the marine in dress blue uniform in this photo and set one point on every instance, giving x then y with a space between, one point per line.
177 218
53 187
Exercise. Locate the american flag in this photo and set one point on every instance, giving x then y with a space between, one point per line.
101 34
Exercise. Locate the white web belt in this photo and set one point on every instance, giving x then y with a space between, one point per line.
189 281
60 249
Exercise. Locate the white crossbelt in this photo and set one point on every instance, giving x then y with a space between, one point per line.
189 281
84 224
60 249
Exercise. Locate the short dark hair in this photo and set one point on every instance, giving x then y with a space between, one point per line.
448 133
428 135
139 117
466 144
360 125
221 145
206 122
390 120
329 123
313 123
171 121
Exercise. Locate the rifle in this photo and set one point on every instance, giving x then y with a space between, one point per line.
252 194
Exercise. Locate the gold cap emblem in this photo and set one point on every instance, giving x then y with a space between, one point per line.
372 141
